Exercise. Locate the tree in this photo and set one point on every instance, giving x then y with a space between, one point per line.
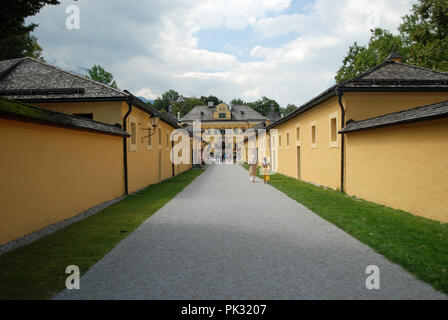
289 108
263 106
213 99
362 58
425 33
15 37
422 40
169 98
98 73
237 102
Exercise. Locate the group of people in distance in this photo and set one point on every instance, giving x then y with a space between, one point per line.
265 168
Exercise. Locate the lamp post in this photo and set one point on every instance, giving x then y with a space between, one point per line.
154 122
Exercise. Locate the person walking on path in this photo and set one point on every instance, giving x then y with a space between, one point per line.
252 169
266 166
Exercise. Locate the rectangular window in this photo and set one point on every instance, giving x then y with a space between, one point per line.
298 133
149 137
133 133
160 136
279 141
222 115
313 134
287 139
333 130
334 136
167 141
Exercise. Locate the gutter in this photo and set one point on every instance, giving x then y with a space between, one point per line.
125 146
340 93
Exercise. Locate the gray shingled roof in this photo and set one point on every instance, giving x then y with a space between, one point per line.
433 111
31 74
398 75
30 80
388 76
239 113
17 110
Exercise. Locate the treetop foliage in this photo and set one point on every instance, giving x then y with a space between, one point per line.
422 40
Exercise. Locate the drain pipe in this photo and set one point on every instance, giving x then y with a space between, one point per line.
125 144
339 93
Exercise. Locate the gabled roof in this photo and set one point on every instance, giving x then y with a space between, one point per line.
31 79
19 111
388 76
433 111
239 113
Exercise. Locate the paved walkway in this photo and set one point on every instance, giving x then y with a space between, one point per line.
225 238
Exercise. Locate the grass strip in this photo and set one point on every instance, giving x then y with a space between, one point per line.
37 270
417 244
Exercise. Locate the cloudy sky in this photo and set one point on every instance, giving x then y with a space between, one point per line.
286 50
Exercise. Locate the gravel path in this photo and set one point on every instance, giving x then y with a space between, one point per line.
225 238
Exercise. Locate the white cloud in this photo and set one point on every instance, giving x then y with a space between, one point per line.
147 93
152 46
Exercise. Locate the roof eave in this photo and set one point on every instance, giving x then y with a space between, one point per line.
395 123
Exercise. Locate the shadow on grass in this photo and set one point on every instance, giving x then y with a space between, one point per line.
37 270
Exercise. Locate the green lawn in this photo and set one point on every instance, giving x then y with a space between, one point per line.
419 245
37 270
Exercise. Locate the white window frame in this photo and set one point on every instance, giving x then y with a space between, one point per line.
149 142
331 116
133 147
167 140
159 138
313 124
299 138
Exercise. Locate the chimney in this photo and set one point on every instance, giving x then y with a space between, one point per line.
178 117
394 56
170 109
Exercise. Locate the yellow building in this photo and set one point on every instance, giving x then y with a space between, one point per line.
401 160
217 120
147 157
53 167
310 147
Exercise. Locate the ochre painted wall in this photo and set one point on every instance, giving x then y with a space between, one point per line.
320 163
144 167
365 105
107 112
403 167
49 174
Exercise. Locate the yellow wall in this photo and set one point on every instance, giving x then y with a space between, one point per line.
365 105
222 108
107 112
49 174
404 167
319 164
143 165
143 161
